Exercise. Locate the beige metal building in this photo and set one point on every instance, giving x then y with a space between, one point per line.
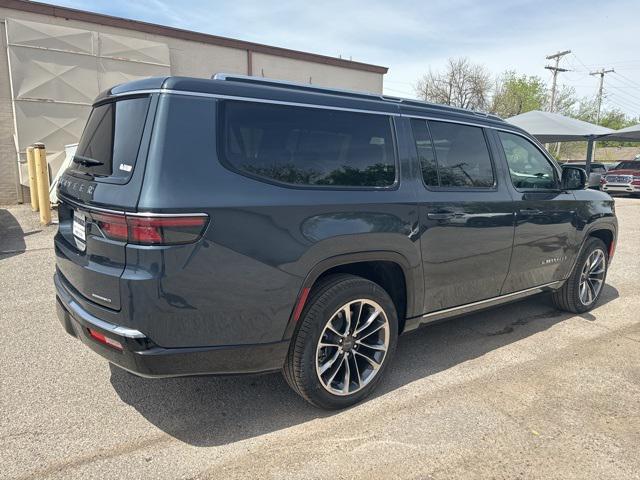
54 61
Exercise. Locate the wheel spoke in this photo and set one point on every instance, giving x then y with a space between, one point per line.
335 373
346 313
327 365
380 348
357 369
369 321
328 344
346 382
589 292
368 334
333 330
371 361
358 316
583 287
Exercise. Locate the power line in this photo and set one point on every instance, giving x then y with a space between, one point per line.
624 92
630 102
628 80
625 106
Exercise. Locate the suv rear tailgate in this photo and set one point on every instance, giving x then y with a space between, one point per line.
105 179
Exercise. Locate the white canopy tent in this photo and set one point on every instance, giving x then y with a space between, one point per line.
550 127
629 134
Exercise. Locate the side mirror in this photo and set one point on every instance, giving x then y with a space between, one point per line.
573 178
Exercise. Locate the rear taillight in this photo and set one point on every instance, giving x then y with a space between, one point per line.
635 181
113 227
603 180
142 230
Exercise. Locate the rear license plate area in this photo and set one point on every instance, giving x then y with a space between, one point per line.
80 229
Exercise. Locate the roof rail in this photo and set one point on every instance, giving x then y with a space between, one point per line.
293 85
337 91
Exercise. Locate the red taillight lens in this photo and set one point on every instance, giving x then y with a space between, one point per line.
151 230
104 339
603 180
165 230
635 181
112 226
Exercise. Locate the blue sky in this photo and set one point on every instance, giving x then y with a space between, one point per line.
411 36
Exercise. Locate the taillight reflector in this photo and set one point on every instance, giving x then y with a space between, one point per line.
104 339
151 230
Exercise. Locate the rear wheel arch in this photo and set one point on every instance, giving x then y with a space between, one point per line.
391 270
605 234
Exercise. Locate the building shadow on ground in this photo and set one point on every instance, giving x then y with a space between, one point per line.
207 411
11 235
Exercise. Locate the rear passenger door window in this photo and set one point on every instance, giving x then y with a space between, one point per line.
453 155
528 167
308 146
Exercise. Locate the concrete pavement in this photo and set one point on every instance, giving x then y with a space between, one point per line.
521 391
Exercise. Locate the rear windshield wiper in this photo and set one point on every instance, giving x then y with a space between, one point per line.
86 161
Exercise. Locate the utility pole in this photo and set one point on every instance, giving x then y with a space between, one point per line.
555 69
602 72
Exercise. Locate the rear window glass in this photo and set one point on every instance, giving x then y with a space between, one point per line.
111 138
308 146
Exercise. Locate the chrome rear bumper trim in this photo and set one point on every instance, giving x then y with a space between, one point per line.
82 314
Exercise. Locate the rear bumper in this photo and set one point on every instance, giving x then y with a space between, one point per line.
142 357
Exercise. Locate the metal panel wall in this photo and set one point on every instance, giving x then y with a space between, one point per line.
57 71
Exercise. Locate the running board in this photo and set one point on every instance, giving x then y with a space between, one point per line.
413 323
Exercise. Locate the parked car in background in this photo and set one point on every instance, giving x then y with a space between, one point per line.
242 225
595 175
624 178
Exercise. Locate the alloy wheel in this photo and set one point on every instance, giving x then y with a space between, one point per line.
352 347
592 277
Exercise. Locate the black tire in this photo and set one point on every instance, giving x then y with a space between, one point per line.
324 303
568 296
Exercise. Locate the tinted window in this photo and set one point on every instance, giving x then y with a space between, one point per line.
461 154
426 153
528 167
308 146
111 138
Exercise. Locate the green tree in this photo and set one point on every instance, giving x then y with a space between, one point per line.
515 94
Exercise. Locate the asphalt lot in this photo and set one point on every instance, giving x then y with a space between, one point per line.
522 391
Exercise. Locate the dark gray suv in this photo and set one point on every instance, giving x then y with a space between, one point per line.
241 225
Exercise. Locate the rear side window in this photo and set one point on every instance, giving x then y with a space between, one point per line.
453 155
111 138
308 146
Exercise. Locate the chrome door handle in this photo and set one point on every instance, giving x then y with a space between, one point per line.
531 211
440 215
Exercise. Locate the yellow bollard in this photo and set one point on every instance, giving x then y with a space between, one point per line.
42 179
33 184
